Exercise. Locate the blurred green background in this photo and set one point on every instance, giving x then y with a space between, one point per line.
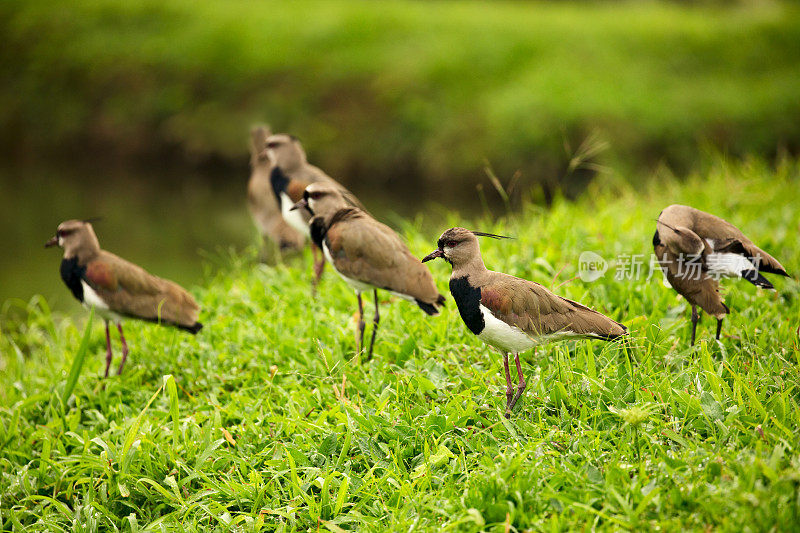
139 111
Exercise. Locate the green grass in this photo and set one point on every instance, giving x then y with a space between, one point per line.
402 92
267 421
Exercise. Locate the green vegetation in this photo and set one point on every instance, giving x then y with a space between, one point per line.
266 420
403 92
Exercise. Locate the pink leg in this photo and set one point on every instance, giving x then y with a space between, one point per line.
124 348
509 386
521 384
375 320
319 265
108 350
361 324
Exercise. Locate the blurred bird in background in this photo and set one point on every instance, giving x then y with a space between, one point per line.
290 175
118 289
368 255
695 249
261 200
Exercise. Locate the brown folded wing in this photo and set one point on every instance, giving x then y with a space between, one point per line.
743 246
130 290
537 311
692 281
726 237
368 251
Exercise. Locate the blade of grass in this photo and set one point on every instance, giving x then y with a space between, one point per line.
133 432
172 391
77 363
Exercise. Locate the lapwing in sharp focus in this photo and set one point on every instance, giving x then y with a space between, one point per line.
261 200
694 249
368 255
118 289
509 313
291 174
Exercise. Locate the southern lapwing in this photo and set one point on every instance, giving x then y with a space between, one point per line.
290 175
368 255
512 314
118 289
694 249
261 200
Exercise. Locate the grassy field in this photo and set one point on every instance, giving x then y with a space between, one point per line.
402 92
267 420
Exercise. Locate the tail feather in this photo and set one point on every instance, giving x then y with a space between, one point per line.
755 277
763 267
613 335
193 329
431 309
610 336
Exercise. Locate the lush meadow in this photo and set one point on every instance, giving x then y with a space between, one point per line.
268 421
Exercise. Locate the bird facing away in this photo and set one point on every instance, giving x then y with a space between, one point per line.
118 289
509 313
368 255
261 200
291 174
694 249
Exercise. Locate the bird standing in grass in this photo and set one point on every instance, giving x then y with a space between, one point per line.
509 313
118 289
261 201
291 174
368 255
694 249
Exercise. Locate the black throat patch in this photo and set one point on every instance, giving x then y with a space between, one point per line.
279 182
656 239
468 300
318 230
71 273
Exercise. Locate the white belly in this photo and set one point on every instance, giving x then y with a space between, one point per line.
91 299
511 338
293 218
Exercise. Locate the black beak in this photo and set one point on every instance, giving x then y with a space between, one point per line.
298 205
433 255
52 242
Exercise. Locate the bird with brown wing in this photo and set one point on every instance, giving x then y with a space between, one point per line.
291 174
261 200
695 249
368 255
118 289
509 313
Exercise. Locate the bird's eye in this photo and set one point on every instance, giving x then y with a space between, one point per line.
273 144
62 233
316 195
450 244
